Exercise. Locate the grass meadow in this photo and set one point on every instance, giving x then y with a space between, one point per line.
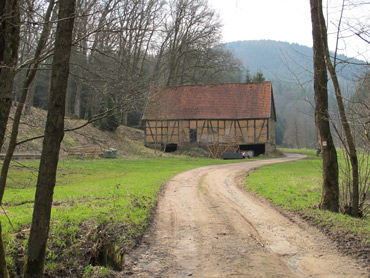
296 186
112 200
90 196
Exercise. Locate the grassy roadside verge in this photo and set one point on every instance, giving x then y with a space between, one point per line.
296 187
100 210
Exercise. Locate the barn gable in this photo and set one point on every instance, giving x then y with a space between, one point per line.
241 115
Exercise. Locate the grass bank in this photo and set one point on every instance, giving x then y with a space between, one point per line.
296 186
100 209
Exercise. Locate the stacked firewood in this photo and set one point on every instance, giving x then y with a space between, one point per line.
217 149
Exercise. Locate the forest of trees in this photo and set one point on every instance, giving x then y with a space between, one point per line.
95 60
92 58
121 48
290 68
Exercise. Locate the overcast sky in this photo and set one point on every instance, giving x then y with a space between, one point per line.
281 20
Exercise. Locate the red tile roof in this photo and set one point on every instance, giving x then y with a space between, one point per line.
225 101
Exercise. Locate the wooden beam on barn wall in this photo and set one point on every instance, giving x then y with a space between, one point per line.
229 124
235 129
156 132
241 131
172 126
213 133
260 132
218 131
164 132
151 131
178 131
196 128
206 130
169 131
186 131
254 131
166 128
247 130
145 123
200 137
181 129
160 128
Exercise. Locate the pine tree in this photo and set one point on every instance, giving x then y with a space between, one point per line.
258 77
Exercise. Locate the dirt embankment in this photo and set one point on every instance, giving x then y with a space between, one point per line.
86 141
206 226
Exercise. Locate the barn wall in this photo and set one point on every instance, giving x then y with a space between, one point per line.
251 131
272 134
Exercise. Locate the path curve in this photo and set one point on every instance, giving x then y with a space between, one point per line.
207 226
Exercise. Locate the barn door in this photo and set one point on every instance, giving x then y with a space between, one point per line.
193 135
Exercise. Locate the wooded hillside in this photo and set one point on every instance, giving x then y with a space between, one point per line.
290 68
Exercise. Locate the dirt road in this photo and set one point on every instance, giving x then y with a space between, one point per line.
206 226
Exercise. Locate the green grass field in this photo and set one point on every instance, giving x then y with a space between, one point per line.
91 189
115 198
95 193
296 186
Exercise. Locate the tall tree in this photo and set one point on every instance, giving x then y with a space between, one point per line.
330 188
192 30
258 77
31 72
9 43
54 131
349 142
248 76
30 75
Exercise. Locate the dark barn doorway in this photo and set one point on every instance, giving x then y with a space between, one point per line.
193 135
257 149
170 148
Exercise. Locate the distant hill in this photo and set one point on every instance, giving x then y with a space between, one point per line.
278 59
270 56
290 68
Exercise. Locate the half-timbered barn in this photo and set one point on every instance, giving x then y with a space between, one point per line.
234 114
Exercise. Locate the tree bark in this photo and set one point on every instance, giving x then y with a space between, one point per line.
351 150
3 267
77 104
30 76
9 43
330 188
30 95
54 131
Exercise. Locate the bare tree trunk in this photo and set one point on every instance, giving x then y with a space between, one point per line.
68 102
29 99
31 72
3 267
351 150
54 131
9 43
77 104
30 76
330 188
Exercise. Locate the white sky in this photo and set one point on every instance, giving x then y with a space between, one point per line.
280 20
